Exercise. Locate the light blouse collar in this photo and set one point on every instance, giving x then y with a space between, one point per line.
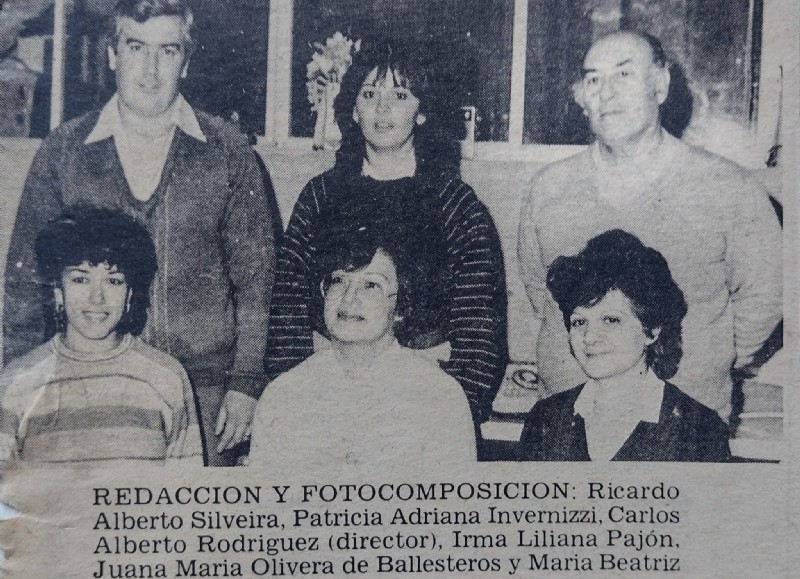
642 400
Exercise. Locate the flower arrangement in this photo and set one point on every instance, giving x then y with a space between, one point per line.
328 64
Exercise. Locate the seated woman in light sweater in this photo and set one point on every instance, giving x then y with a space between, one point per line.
366 402
95 393
623 312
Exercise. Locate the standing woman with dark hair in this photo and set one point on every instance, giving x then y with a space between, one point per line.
399 161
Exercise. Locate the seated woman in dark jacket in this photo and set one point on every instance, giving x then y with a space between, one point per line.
623 312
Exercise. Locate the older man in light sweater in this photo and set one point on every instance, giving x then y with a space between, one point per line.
707 216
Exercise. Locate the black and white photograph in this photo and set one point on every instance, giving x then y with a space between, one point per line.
491 245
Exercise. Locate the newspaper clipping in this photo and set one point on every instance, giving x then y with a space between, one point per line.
398 289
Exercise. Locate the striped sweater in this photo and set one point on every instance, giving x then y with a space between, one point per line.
133 402
474 322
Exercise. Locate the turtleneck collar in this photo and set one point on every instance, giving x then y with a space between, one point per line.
403 165
63 350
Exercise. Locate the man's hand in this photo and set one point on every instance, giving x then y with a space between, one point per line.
235 418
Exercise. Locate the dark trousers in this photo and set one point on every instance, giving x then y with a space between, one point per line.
209 391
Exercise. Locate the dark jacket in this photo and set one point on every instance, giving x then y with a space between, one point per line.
211 224
686 431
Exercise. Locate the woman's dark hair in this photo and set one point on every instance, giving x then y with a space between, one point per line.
432 76
617 260
350 244
85 233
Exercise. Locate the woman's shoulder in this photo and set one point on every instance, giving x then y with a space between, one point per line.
564 397
704 435
317 183
678 404
26 367
312 200
429 389
155 360
421 371
551 414
303 378
325 177
555 404
456 203
458 197
411 358
447 183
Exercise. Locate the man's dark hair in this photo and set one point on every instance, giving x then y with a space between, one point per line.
617 260
85 233
144 10
428 72
350 244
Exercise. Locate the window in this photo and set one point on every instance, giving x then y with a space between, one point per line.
479 30
228 69
559 34
528 54
523 56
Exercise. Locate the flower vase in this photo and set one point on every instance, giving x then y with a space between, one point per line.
319 125
327 135
332 138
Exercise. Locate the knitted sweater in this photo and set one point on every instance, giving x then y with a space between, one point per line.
211 224
711 221
475 304
133 402
402 412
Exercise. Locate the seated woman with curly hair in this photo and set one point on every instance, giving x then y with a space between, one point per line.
95 392
365 402
623 312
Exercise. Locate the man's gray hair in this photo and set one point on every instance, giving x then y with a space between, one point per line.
656 48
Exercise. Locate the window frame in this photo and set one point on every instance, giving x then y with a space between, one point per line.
278 91
277 125
278 120
59 62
